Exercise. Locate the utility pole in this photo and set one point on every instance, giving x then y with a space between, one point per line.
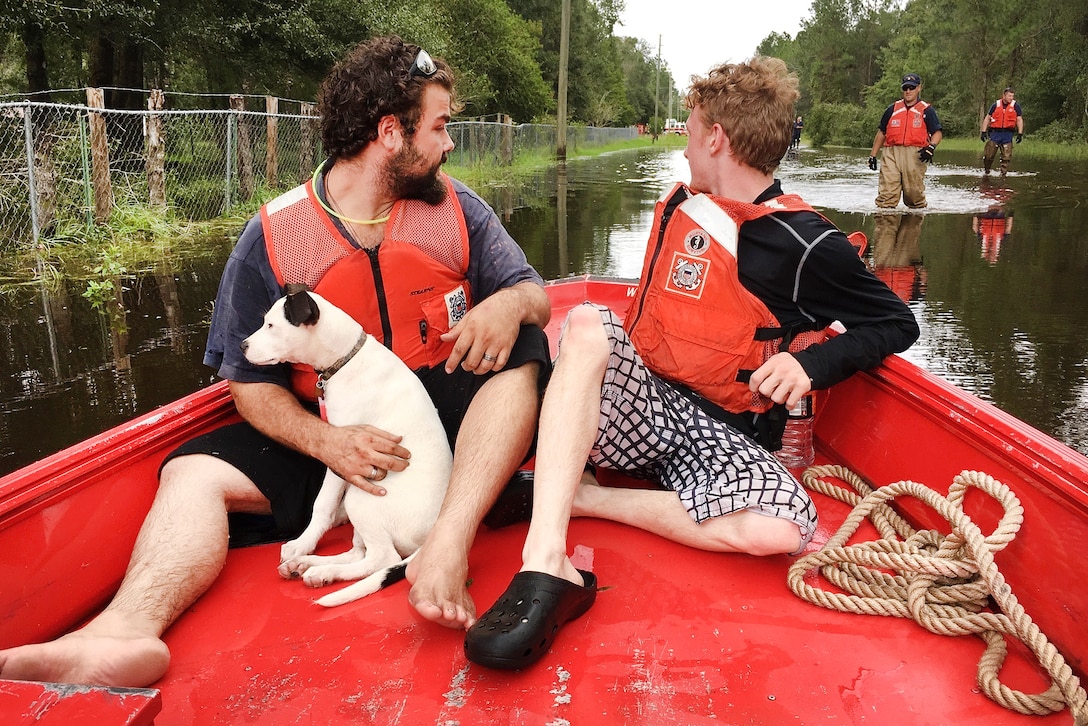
657 86
561 112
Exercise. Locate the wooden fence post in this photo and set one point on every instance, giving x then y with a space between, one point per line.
245 148
156 152
306 147
100 156
271 148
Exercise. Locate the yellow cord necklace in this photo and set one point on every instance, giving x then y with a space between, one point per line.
333 212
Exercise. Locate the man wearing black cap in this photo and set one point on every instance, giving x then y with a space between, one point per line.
1004 119
909 132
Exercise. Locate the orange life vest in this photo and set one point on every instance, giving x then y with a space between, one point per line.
907 126
405 292
692 321
1004 117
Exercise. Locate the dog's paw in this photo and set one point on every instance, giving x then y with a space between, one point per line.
320 575
292 559
293 569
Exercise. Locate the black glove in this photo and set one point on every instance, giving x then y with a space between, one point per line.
872 163
983 136
1019 138
926 154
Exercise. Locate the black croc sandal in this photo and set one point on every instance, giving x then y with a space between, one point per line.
520 627
515 502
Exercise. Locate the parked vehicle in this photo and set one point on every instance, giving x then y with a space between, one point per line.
672 126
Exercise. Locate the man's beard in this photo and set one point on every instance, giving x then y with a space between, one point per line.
407 182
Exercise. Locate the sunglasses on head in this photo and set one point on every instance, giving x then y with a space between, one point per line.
423 65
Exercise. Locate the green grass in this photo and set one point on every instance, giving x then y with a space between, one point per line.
1029 149
527 163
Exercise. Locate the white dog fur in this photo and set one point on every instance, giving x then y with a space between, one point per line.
373 387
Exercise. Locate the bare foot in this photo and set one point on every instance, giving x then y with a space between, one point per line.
438 575
88 659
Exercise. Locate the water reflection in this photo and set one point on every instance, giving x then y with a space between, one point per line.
994 225
897 254
1004 320
1011 333
68 371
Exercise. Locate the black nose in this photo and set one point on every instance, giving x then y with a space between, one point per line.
245 345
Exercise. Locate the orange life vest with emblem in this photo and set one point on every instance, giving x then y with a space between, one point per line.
907 126
406 292
1004 117
692 321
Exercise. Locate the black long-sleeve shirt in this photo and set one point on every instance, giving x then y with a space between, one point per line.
806 272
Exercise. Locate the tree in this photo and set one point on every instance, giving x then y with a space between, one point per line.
495 52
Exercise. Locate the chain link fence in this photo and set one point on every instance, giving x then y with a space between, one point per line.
88 160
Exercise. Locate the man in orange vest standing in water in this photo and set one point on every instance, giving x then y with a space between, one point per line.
909 131
1004 119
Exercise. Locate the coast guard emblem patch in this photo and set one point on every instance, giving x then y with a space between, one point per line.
456 304
687 275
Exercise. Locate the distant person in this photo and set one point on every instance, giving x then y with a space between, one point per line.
1004 119
909 132
798 126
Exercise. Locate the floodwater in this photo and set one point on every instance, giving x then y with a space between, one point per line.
994 269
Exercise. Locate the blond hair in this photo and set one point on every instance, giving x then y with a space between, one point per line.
753 102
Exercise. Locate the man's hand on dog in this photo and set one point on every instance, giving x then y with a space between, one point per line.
364 455
484 337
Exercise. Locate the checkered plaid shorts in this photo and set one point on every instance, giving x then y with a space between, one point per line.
651 431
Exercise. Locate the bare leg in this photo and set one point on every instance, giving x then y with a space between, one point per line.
494 438
568 427
662 513
179 552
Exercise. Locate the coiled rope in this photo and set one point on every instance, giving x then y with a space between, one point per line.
942 582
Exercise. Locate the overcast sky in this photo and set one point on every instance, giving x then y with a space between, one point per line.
699 34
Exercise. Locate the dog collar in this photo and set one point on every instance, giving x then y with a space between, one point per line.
323 376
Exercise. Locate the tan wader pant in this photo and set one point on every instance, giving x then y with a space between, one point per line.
990 152
901 173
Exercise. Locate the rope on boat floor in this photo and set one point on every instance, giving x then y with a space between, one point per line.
943 582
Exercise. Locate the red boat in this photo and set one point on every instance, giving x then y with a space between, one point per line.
677 636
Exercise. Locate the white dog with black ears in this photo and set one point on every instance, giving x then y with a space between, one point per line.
364 383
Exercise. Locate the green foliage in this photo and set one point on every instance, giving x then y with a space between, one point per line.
102 288
606 75
840 124
1060 132
199 199
495 50
855 52
506 53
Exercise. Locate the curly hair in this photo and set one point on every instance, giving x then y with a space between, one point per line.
373 81
753 102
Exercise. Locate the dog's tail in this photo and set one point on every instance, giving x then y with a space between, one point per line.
368 585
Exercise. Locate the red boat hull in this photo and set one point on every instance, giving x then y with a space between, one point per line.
676 636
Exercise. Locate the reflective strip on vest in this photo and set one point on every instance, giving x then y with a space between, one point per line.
693 321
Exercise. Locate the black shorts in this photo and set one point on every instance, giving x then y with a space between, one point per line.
290 480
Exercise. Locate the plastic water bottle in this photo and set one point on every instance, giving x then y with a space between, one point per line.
797 450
